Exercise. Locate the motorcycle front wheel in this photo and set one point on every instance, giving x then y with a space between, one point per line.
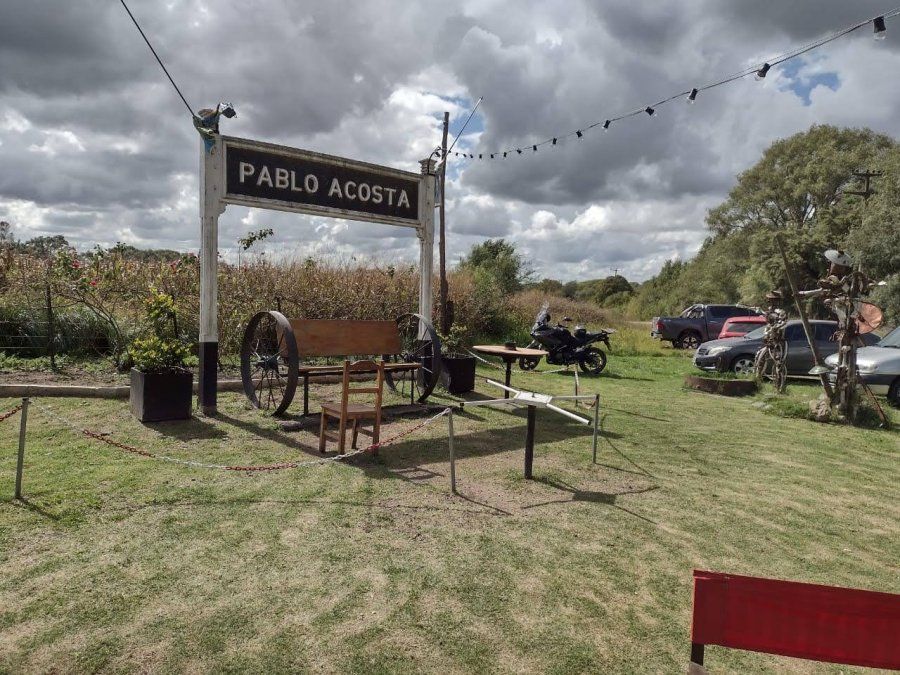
593 362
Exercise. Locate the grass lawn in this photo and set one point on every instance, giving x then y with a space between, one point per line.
120 563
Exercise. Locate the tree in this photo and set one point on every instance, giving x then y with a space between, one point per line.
549 286
797 179
7 240
45 247
799 189
497 266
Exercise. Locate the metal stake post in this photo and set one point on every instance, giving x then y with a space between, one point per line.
596 424
452 452
23 423
529 441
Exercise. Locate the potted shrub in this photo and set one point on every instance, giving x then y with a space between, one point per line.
458 366
161 385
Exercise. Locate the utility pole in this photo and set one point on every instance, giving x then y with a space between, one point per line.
442 236
867 176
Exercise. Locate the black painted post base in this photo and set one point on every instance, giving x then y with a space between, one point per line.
206 388
697 653
529 441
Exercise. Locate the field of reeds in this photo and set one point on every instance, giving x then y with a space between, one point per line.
96 300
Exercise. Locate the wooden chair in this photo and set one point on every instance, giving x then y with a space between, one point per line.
345 411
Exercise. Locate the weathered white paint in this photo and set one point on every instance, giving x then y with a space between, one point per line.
212 181
426 238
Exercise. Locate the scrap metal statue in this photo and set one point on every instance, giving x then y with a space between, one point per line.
841 291
770 363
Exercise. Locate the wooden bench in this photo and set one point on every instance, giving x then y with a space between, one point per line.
345 338
274 349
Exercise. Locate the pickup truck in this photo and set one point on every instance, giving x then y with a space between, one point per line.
697 324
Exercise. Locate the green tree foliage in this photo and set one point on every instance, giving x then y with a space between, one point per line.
613 291
497 267
800 190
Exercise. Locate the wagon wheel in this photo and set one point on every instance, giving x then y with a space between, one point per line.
419 343
269 362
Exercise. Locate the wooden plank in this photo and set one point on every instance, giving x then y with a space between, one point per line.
339 337
339 370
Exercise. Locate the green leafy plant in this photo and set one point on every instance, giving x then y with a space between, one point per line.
457 341
161 349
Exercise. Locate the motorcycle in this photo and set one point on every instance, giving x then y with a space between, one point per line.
565 348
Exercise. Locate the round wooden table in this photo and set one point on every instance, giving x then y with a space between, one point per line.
509 356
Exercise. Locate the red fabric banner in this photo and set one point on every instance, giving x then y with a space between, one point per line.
809 621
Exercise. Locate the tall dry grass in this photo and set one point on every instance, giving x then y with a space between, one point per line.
303 288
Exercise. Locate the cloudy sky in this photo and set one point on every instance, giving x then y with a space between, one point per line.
95 144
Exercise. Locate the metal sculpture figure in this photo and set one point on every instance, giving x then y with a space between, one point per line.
841 291
770 363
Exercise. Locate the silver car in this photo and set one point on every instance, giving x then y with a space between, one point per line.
879 366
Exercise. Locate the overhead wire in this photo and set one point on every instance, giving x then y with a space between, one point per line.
158 60
692 93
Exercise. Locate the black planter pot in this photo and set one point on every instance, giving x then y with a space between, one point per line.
458 373
161 397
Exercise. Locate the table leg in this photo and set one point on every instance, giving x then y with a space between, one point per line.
529 441
508 375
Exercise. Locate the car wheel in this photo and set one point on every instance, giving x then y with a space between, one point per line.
743 365
689 340
894 393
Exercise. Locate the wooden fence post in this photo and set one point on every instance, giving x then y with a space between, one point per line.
23 423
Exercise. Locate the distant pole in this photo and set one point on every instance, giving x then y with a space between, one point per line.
442 242
867 176
817 359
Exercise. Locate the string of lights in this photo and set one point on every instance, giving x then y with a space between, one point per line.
690 95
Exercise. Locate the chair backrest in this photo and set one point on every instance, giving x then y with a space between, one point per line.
339 337
808 621
363 366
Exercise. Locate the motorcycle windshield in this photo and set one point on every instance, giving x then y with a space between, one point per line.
543 315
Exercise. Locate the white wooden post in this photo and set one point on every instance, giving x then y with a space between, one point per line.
426 237
211 206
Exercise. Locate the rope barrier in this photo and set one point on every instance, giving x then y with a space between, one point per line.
230 467
9 413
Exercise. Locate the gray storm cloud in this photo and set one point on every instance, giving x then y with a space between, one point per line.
96 146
